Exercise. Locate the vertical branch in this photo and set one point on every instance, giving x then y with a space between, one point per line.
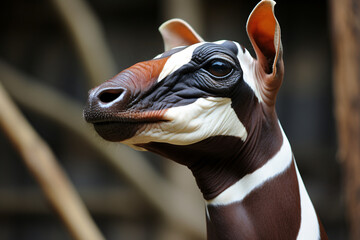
88 37
346 65
42 163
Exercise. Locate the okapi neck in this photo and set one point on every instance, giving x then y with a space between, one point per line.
220 161
271 211
217 171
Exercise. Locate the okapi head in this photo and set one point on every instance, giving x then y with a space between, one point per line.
207 105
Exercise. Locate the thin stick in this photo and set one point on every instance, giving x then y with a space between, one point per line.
42 164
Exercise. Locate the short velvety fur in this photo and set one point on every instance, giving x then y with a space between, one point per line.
220 161
150 106
265 206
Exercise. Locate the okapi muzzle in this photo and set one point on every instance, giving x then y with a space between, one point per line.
115 106
211 106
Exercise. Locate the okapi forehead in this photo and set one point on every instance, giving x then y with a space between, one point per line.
183 78
180 56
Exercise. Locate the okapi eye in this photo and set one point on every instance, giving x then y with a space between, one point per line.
219 68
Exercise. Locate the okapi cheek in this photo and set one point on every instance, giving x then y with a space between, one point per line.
192 123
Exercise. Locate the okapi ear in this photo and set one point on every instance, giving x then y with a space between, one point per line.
177 32
264 33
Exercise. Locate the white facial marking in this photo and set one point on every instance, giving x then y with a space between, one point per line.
309 226
188 124
247 64
178 60
275 166
219 42
158 56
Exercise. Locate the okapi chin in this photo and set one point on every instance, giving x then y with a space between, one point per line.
211 106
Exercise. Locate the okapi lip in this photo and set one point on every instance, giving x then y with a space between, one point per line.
125 117
117 131
117 127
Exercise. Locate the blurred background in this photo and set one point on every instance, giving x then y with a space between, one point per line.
53 52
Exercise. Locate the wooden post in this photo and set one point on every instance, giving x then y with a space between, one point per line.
346 70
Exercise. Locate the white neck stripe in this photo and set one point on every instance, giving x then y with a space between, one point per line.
239 190
309 226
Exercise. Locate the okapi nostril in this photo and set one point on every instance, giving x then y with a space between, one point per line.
110 95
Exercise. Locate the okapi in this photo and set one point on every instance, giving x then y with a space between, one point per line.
211 106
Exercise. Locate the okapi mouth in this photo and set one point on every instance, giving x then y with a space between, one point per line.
123 126
119 131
